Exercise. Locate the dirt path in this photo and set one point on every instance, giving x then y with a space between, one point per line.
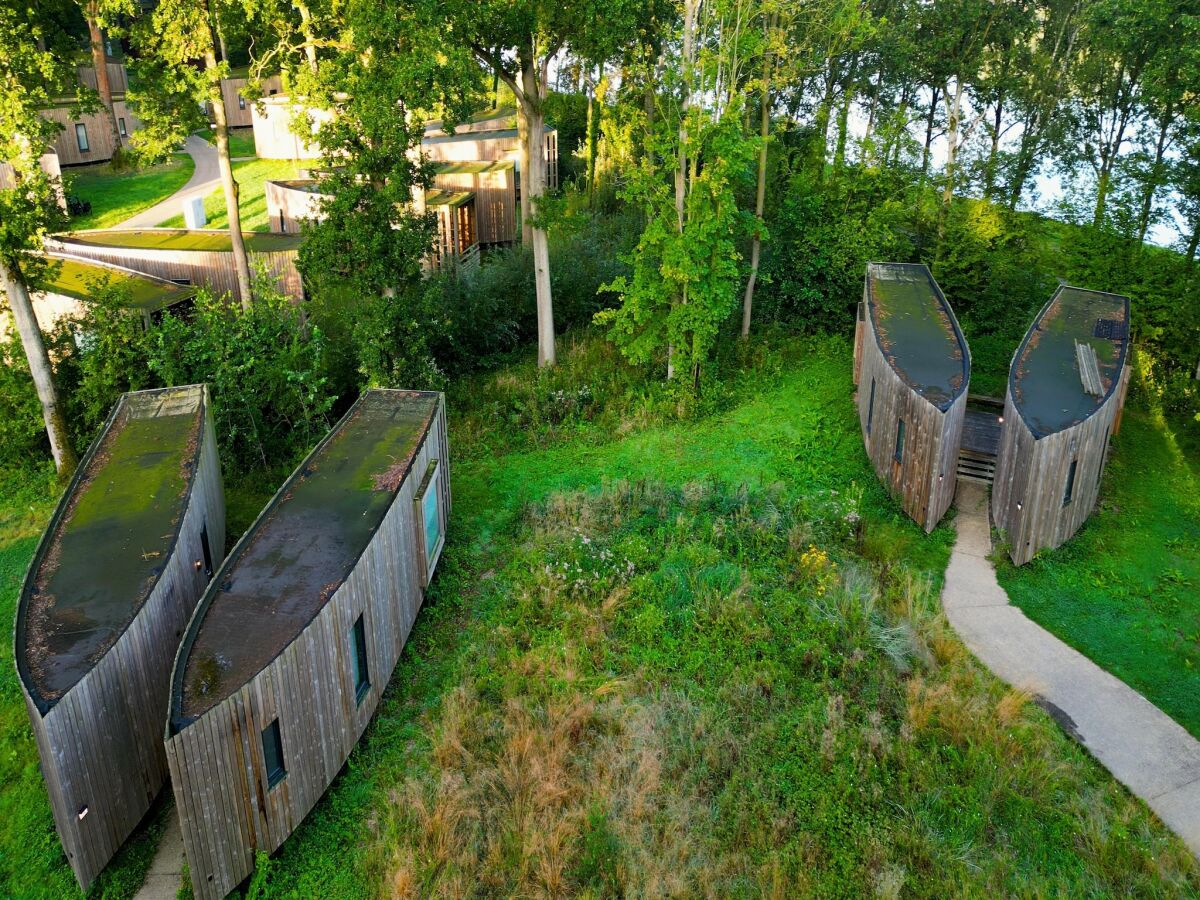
166 870
1140 745
204 180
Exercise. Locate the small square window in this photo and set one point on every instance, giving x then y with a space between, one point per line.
899 455
272 744
358 657
81 137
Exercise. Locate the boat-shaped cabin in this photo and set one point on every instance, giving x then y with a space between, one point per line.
1066 390
912 368
114 581
286 658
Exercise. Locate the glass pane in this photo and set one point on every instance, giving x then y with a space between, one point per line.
433 522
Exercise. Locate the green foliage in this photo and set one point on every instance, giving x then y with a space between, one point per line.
568 113
685 271
264 370
22 432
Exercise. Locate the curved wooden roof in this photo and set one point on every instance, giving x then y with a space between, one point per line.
917 332
110 538
76 277
300 550
1047 385
206 240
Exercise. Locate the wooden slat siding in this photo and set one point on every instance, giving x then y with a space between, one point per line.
99 132
231 89
288 207
310 688
1033 472
99 743
495 201
858 337
117 80
931 442
485 146
1122 391
211 269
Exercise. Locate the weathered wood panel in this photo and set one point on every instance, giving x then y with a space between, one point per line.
210 269
495 200
227 809
238 108
923 479
288 206
97 129
100 744
490 145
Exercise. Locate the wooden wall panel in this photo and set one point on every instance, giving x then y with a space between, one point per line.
495 201
238 112
99 133
100 743
227 815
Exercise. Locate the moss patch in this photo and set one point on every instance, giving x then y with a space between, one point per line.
75 278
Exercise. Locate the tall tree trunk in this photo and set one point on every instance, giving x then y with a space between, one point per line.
241 262
929 119
1156 175
523 154
306 30
1193 242
691 9
533 165
821 124
953 112
761 195
993 160
65 459
103 87
593 134
843 118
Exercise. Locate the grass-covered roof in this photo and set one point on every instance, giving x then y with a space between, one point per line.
439 197
182 239
917 331
480 167
114 530
1045 379
301 548
79 278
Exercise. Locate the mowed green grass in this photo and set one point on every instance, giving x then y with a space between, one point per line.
115 196
1125 591
252 177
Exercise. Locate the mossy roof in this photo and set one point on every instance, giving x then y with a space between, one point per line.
917 331
1044 379
110 539
501 134
439 197
308 185
182 239
79 278
474 168
301 548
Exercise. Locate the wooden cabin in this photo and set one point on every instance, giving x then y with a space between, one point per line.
239 109
113 583
290 203
494 185
272 119
286 658
73 280
1066 390
87 138
912 368
202 257
489 146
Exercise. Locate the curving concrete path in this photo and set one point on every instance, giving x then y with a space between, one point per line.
166 869
1138 743
204 180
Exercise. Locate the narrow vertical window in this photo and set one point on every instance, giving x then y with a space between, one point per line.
241 102
121 127
272 744
1070 491
81 138
358 658
899 455
431 530
1103 456
871 407
206 549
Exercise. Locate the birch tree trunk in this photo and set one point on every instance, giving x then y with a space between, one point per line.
933 102
65 459
953 112
761 195
533 164
523 154
306 29
1156 175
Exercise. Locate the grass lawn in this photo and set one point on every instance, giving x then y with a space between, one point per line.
1126 590
241 141
252 177
115 196
698 657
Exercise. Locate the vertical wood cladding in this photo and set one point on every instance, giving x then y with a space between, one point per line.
227 806
100 743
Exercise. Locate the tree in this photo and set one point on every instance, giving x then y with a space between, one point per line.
92 13
35 67
179 71
516 40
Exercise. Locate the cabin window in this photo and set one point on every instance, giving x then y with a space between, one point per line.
241 102
430 526
899 455
871 407
282 223
1069 492
121 127
206 550
272 743
81 138
358 655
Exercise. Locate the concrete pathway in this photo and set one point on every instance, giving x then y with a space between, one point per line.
166 869
1142 746
204 180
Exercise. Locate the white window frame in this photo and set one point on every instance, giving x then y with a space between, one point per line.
430 489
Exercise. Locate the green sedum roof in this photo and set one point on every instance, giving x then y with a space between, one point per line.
182 239
438 197
474 168
80 278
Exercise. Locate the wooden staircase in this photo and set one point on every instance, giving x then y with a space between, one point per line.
979 467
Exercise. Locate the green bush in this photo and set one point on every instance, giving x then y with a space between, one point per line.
22 432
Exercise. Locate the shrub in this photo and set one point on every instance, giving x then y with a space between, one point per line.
22 432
